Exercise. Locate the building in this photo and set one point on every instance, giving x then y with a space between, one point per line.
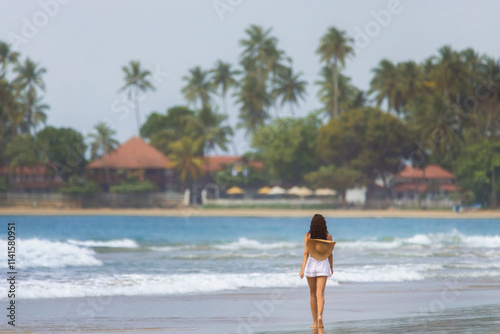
431 182
134 158
34 179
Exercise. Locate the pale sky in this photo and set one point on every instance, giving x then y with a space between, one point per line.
84 44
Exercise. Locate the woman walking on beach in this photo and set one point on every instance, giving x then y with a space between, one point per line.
317 265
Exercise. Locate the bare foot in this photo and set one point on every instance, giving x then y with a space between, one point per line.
320 323
314 326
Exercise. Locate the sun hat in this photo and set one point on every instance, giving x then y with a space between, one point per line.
320 249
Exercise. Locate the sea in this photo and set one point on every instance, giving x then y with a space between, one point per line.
60 257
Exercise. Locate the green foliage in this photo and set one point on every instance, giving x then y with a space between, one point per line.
468 197
63 147
338 178
77 185
475 165
3 185
133 185
287 147
366 140
22 151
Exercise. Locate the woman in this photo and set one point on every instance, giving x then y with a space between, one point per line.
317 272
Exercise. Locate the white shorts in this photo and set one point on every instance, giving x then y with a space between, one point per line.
316 268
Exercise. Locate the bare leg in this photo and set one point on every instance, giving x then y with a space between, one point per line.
314 304
320 296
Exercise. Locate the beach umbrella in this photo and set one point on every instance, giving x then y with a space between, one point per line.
304 191
277 190
293 190
325 192
235 191
264 190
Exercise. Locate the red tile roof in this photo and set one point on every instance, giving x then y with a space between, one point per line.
133 154
431 172
421 188
218 162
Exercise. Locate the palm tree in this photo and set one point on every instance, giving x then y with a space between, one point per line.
184 158
103 142
258 50
289 88
385 84
449 73
7 57
254 100
349 96
334 48
29 75
208 126
136 81
224 78
198 86
35 110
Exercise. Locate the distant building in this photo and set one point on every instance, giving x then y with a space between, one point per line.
433 180
134 157
41 178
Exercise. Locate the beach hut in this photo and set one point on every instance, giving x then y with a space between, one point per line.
277 190
235 191
293 190
325 192
304 191
264 190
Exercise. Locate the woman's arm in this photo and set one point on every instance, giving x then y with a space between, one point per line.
304 256
330 258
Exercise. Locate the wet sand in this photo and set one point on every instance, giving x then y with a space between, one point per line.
188 212
440 306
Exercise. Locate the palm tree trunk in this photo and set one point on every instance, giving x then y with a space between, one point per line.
335 89
137 114
493 187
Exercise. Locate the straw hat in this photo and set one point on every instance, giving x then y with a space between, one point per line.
320 249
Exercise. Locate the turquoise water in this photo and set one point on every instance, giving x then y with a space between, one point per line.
78 256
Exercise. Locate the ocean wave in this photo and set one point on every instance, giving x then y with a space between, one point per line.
119 243
420 241
244 243
40 253
196 283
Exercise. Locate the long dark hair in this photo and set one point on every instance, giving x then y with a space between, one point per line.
318 228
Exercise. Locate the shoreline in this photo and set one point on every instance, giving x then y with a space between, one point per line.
198 212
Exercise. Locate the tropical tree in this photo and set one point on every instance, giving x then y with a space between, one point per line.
207 125
7 58
349 96
137 81
338 178
287 146
35 109
254 100
289 88
185 159
29 75
198 87
102 141
223 76
385 84
334 48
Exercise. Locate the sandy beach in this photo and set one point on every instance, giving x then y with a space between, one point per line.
199 212
350 308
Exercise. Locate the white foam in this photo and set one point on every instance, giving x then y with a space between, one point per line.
40 253
244 243
121 243
144 284
482 241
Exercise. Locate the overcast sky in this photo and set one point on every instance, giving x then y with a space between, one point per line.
84 44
